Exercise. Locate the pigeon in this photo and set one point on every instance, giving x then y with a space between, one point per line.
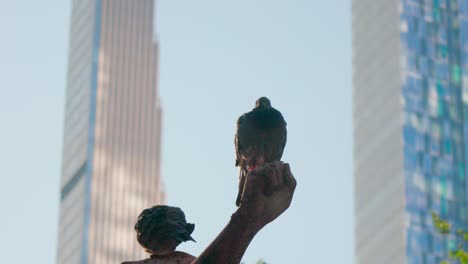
260 138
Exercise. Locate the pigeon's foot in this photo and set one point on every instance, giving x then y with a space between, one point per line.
251 167
258 161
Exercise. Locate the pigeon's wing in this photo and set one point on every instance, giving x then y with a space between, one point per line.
281 136
236 141
275 139
246 136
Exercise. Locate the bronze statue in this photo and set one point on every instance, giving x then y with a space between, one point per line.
256 210
160 229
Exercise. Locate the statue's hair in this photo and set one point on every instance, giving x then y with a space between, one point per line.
162 223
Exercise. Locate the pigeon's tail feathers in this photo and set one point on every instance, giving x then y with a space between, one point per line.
242 176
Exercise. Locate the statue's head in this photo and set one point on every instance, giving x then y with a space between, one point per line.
162 227
263 102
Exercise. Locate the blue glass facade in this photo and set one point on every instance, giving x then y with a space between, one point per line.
434 41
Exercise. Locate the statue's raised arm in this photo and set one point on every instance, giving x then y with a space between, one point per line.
256 210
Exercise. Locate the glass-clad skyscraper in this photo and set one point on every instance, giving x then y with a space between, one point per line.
111 151
410 135
435 132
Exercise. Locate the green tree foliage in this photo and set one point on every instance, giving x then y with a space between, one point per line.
260 261
442 226
445 228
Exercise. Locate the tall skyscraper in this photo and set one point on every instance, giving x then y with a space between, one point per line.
111 151
410 81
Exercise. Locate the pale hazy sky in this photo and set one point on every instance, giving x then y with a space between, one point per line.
217 57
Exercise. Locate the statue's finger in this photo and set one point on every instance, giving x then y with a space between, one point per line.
253 183
276 177
267 177
288 177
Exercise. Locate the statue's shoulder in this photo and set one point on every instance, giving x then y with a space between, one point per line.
144 261
175 257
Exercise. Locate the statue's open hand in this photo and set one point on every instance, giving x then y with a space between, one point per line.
268 192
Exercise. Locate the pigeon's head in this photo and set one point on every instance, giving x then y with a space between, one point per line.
263 102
